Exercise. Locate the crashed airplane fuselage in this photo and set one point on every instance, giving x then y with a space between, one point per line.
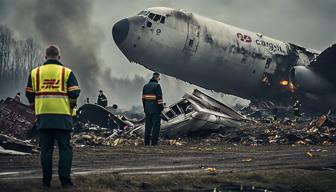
196 112
225 58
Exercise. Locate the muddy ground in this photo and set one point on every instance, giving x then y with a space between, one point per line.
190 167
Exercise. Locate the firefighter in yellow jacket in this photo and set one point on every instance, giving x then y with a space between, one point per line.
53 90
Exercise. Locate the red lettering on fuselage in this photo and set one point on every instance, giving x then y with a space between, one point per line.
244 38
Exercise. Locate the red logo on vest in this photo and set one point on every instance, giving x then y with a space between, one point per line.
50 84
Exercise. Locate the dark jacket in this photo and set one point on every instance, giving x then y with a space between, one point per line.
54 121
152 97
102 100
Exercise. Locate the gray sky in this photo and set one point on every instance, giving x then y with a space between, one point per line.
310 23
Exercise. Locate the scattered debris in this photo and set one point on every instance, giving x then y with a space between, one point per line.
174 142
97 115
252 134
97 126
309 154
196 118
16 119
323 121
247 160
212 171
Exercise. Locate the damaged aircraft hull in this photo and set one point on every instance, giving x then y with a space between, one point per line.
227 59
97 115
196 112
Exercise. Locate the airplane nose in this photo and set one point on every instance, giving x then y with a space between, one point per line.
120 31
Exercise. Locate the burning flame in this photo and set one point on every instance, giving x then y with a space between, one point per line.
284 82
289 85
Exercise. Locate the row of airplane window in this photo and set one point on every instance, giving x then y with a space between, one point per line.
154 17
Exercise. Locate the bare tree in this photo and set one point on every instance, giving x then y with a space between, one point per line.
5 44
17 58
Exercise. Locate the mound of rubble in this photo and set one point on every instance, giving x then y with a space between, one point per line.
16 126
16 119
195 119
273 133
254 134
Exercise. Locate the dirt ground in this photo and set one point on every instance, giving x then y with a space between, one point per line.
183 168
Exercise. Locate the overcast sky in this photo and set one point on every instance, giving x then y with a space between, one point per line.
310 23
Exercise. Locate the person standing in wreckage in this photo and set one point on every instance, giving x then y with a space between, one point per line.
53 91
102 100
153 106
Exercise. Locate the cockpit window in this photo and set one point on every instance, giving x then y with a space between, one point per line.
154 17
163 18
157 17
151 15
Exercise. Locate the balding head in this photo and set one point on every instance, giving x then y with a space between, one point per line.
52 52
156 76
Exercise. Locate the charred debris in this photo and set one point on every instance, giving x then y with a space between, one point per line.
195 118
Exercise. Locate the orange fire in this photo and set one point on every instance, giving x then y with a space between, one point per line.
284 82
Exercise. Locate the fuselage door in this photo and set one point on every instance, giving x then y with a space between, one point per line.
192 38
269 71
270 66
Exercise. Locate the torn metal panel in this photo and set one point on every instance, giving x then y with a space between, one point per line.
16 119
95 114
196 112
11 143
217 106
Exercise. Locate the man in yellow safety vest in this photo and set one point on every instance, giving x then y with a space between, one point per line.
53 91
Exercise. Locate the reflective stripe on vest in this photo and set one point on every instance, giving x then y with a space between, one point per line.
149 97
49 84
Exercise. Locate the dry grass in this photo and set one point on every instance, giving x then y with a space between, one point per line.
279 180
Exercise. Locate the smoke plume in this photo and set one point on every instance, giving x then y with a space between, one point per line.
68 24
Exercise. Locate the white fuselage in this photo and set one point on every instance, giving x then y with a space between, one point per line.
209 53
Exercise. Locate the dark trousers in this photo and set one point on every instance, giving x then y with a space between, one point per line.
47 140
152 128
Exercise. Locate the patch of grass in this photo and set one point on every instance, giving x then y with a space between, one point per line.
284 180
278 180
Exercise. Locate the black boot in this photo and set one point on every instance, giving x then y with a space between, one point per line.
68 185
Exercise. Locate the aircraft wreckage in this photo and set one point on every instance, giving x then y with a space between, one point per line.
212 54
196 112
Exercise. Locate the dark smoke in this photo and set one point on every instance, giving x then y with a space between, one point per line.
67 24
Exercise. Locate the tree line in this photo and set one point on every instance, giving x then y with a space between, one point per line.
17 58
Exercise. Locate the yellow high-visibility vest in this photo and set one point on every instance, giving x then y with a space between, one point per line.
49 83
